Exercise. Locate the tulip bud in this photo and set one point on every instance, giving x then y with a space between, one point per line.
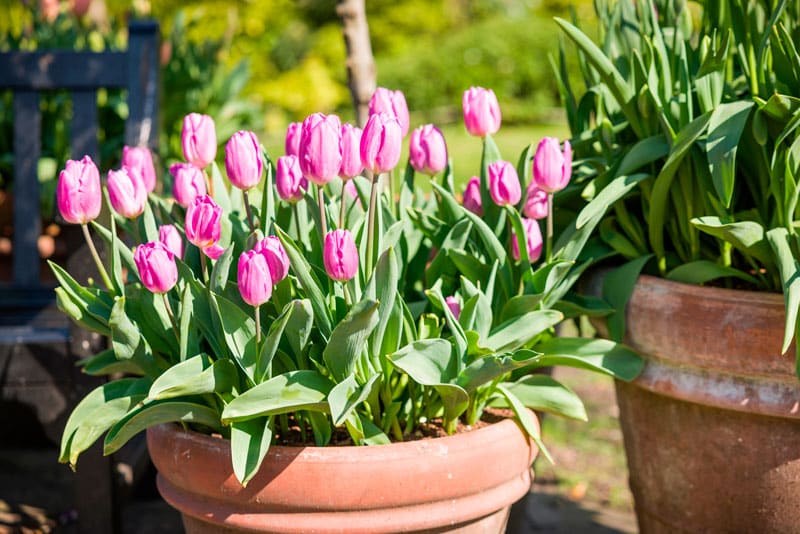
156 266
340 255
533 240
292 143
392 102
320 152
380 143
189 183
350 148
126 192
139 159
481 111
171 238
427 150
536 202
472 196
255 283
289 179
552 169
504 183
455 307
78 194
276 257
203 225
243 160
199 139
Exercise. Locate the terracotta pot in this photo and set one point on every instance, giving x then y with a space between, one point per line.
460 483
712 426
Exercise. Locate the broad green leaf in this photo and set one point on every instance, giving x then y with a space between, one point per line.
436 297
289 392
308 282
520 305
611 193
299 326
125 334
220 271
348 339
470 266
430 362
575 305
76 310
156 413
484 370
239 333
617 290
526 419
544 394
321 427
347 395
270 343
116 262
219 190
599 355
189 339
384 290
477 311
195 376
661 187
702 271
105 363
363 431
517 332
789 267
97 412
250 441
725 128
93 302
747 236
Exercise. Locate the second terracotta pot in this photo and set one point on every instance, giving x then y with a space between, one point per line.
712 426
460 483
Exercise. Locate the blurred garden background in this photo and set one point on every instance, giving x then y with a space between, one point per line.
259 64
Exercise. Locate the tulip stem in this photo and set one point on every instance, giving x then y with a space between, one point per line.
210 183
296 219
203 266
347 299
373 201
549 241
390 177
171 317
100 267
323 220
341 208
258 329
249 211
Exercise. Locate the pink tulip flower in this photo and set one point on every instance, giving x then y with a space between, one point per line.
199 139
289 179
481 111
427 150
392 102
536 202
139 159
171 238
340 255
381 143
275 254
188 183
203 226
292 143
243 160
78 193
552 169
504 183
533 240
126 192
350 148
156 266
320 152
472 196
455 307
255 283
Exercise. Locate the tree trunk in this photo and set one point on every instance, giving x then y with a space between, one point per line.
361 72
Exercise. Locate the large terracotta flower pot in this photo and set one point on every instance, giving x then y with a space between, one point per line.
460 483
712 426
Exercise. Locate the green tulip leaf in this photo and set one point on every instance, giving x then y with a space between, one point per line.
617 290
788 266
250 441
484 370
725 128
526 419
239 333
348 339
195 376
346 395
599 355
289 392
544 394
519 331
702 271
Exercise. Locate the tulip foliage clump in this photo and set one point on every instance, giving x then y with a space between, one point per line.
321 293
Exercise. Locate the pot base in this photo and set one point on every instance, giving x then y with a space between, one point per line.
700 468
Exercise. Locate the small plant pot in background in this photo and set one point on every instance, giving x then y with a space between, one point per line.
712 425
462 483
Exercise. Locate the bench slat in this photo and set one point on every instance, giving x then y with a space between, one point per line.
63 70
84 125
27 222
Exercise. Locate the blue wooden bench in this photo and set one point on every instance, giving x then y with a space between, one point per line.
38 347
